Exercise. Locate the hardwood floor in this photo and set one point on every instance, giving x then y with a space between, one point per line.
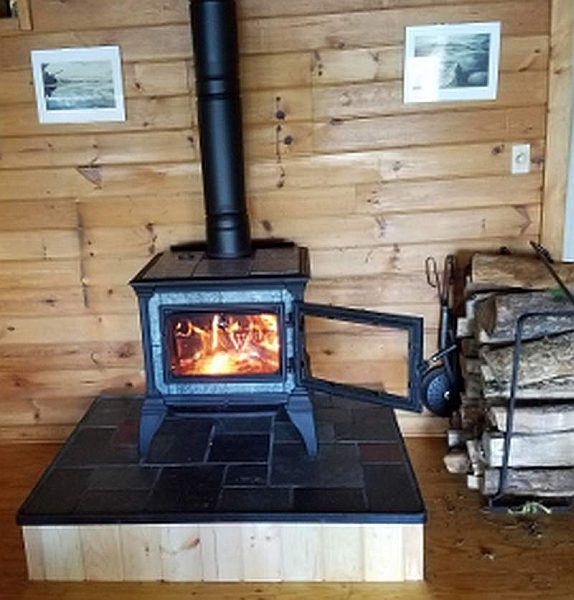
470 554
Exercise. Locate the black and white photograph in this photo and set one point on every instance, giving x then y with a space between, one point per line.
451 62
78 85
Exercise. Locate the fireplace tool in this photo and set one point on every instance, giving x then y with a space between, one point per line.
440 382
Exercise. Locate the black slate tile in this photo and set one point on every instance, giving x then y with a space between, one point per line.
108 412
326 432
126 433
94 447
239 448
335 466
334 415
126 478
186 489
321 400
374 428
112 502
329 500
388 452
255 499
286 432
181 441
243 425
59 493
250 475
282 415
390 488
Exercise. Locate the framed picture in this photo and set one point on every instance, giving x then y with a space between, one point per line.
446 63
78 85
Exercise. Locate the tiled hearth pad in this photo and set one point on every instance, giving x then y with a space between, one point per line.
229 467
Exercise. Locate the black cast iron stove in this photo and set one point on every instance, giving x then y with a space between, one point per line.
223 326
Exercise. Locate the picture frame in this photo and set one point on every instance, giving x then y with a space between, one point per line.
78 85
454 62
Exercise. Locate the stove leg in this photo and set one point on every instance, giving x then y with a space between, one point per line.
300 411
152 416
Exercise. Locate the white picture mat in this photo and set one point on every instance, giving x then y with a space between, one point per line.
422 74
66 56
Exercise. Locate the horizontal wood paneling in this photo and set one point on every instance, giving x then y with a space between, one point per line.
336 162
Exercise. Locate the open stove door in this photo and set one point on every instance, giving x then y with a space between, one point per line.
413 328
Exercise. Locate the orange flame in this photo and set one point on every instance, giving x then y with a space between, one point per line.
226 345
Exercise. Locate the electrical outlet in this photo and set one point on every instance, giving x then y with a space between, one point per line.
520 159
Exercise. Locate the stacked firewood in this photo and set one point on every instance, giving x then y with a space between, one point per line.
499 289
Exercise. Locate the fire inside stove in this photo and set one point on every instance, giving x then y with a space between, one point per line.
215 344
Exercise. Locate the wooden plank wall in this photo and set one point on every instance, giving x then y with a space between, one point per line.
335 162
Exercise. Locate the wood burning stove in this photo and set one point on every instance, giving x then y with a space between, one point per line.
224 334
224 326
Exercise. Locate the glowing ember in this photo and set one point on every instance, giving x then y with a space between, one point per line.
224 344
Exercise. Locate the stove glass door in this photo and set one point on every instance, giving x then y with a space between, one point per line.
223 343
360 354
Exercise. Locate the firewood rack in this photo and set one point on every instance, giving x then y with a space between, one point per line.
500 501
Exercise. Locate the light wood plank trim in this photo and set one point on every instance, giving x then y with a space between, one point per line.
261 545
222 552
181 553
62 551
413 540
343 553
301 552
101 550
34 553
384 552
141 556
558 143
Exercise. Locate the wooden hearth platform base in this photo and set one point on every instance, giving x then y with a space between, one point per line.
230 497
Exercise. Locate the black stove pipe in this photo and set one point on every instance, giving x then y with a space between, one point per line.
214 28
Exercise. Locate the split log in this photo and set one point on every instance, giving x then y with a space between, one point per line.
464 327
472 416
535 419
490 271
457 461
469 347
475 455
497 315
474 482
548 450
559 388
473 387
457 438
469 366
556 483
541 360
